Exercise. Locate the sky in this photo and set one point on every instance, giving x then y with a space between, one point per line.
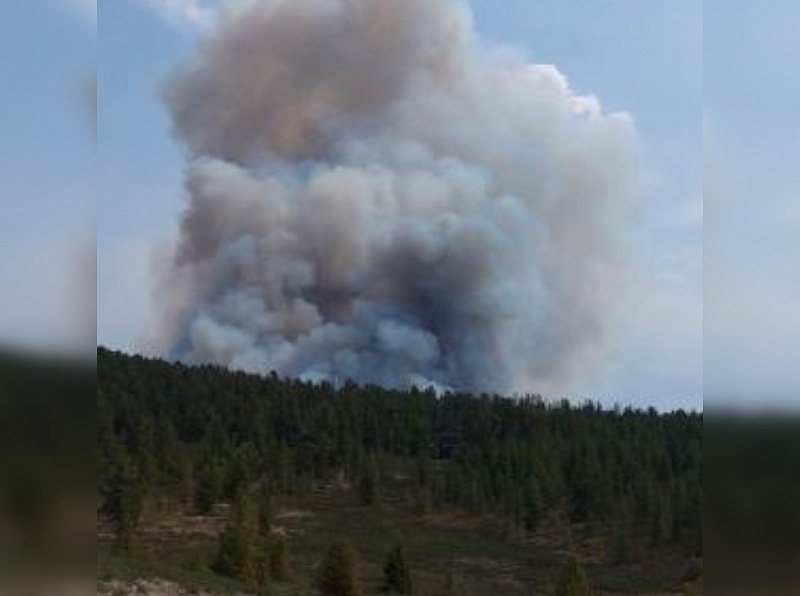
641 58
47 166
753 202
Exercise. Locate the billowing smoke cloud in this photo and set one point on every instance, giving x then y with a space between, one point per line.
376 195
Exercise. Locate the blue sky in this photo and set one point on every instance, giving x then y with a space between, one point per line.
47 52
751 94
643 58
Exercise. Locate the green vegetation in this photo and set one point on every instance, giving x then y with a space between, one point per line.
337 576
397 573
572 581
490 495
237 555
123 501
279 568
451 587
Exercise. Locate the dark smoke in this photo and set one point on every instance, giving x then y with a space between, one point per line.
374 194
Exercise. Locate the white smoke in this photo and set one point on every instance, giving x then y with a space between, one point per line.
184 12
374 194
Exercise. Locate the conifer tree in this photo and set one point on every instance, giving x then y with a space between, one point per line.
368 485
661 525
237 554
572 581
397 573
337 576
124 500
621 546
451 585
279 560
265 512
186 481
533 507
209 485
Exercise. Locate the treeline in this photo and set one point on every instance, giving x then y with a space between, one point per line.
204 435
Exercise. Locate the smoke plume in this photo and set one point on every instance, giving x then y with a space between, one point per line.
376 194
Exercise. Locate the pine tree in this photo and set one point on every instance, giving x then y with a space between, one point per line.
533 508
186 481
279 560
621 546
451 585
572 581
397 573
237 555
124 500
209 485
661 525
266 513
337 575
368 485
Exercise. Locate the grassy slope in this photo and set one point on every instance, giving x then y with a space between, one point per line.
488 559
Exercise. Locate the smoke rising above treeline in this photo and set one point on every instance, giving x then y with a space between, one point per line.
375 193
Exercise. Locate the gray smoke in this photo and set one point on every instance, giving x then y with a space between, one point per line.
375 194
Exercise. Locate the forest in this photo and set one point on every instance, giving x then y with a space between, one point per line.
267 485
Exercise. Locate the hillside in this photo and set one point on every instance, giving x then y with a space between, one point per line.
486 495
